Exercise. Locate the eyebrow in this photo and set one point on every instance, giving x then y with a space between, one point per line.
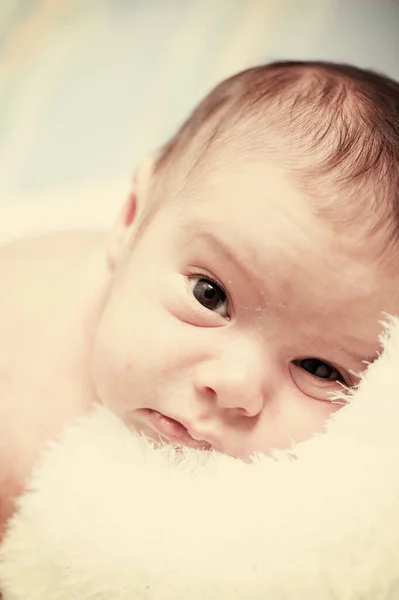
221 246
366 358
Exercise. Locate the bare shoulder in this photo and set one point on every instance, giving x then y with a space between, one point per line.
37 277
34 271
50 252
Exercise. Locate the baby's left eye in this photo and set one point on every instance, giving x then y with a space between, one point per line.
320 369
210 295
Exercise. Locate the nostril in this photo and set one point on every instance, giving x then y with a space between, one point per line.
209 392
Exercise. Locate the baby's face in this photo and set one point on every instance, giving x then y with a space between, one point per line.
237 316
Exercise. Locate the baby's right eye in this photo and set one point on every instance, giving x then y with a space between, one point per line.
210 295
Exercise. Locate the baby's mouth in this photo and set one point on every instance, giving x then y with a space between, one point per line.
173 431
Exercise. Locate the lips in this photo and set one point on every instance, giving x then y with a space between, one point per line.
174 432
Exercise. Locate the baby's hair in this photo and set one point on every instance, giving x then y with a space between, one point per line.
335 128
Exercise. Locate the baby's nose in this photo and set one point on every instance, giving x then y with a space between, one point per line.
236 381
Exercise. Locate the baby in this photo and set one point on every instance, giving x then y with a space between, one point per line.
241 287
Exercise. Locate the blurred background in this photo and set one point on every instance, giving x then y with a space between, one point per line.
88 87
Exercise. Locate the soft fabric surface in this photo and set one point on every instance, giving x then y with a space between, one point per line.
109 517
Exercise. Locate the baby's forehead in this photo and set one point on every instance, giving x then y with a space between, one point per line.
246 188
267 226
261 209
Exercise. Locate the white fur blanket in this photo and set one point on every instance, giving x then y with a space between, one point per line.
110 518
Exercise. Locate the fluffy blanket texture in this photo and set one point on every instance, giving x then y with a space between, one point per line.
108 517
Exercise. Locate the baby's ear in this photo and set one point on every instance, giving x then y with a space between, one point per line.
123 230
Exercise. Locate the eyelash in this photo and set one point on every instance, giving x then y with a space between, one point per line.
216 281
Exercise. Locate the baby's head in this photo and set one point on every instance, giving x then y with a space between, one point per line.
252 266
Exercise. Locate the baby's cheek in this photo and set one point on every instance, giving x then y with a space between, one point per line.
301 417
140 349
314 417
107 366
119 367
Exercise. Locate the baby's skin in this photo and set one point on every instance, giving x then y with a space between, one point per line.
228 324
47 315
